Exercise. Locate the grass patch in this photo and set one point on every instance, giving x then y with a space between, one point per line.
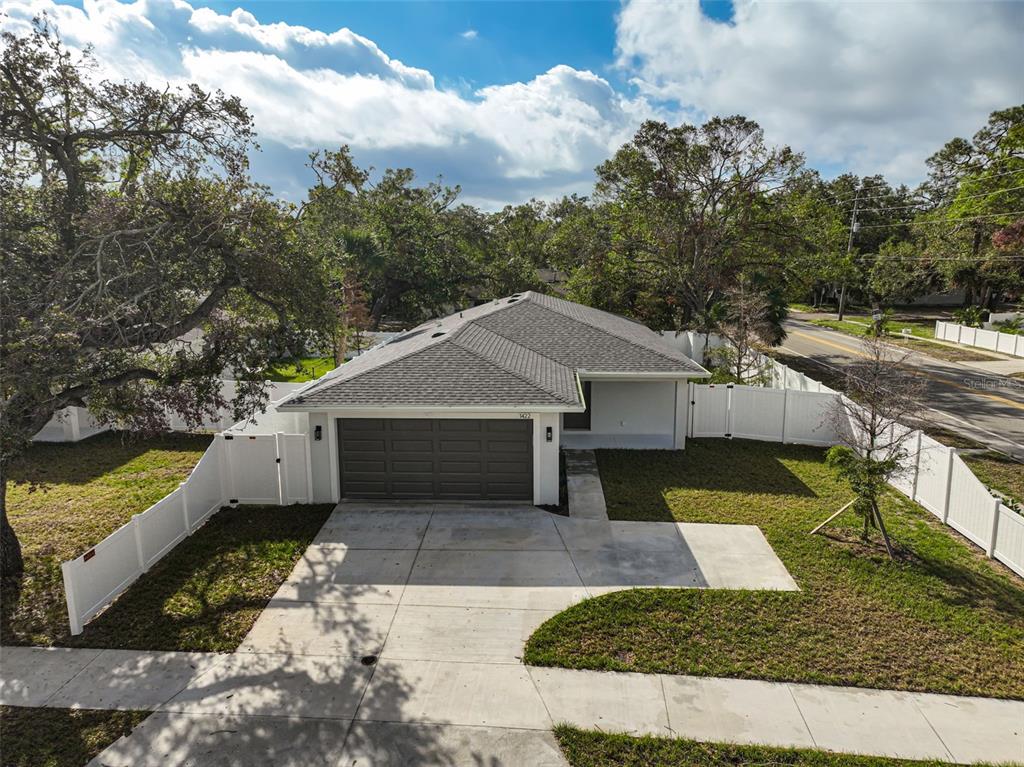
589 748
300 370
940 351
918 343
940 618
60 737
63 499
205 595
999 472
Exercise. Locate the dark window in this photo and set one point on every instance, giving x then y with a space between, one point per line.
579 420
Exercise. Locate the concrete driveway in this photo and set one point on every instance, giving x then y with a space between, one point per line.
398 637
452 583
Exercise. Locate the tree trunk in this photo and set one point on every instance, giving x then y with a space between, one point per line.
11 562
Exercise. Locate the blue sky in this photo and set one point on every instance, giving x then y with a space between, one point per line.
520 100
513 41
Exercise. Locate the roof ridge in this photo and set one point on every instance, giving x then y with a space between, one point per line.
552 360
508 370
620 336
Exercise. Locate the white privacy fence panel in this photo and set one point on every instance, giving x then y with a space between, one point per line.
296 471
971 506
933 467
807 418
709 412
252 468
161 527
1009 545
1006 343
265 468
758 413
203 492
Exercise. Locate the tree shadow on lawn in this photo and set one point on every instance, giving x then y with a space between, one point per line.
644 481
78 463
206 594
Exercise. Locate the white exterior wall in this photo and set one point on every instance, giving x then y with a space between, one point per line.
324 454
631 414
545 458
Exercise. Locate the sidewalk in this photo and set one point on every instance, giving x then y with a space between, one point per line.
309 706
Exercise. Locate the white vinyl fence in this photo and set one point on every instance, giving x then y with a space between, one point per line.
939 479
236 468
755 412
994 341
76 423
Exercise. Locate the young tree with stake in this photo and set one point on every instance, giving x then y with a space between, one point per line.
882 396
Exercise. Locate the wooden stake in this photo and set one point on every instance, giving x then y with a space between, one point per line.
815 530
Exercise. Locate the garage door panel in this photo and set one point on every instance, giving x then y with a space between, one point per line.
460 425
364 464
364 446
461 446
464 459
401 445
353 425
405 465
474 467
409 424
507 446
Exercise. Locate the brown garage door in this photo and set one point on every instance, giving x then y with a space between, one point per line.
444 458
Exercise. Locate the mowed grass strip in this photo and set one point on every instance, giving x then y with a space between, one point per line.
587 748
940 618
62 499
60 737
207 593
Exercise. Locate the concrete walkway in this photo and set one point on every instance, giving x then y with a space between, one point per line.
583 483
234 709
397 640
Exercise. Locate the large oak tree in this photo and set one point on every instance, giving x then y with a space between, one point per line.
129 221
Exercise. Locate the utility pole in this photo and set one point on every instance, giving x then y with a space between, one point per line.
849 246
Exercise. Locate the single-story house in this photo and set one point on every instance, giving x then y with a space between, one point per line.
478 404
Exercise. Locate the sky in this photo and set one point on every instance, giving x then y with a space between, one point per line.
513 100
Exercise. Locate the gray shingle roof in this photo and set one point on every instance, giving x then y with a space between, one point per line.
524 350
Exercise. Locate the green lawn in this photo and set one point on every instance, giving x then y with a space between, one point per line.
60 737
63 499
301 370
940 618
205 595
856 326
587 748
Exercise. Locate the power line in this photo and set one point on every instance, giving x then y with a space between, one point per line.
965 197
850 196
944 220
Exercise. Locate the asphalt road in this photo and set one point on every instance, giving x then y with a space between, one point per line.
987 408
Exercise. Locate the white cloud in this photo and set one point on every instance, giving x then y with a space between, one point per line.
873 86
309 89
469 34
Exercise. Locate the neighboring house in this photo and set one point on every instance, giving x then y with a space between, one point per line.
477 405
